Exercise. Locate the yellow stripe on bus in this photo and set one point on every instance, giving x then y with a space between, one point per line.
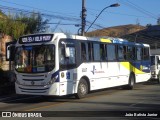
105 40
131 68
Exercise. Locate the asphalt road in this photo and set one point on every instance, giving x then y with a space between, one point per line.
115 103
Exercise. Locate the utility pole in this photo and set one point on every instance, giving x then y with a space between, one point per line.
83 17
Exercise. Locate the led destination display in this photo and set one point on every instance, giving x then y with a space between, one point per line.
35 38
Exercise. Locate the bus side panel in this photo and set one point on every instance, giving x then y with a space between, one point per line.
68 82
125 69
142 70
102 74
146 69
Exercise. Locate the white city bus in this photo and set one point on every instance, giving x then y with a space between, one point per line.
59 64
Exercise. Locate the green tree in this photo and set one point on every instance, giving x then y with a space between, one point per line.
9 26
19 24
34 22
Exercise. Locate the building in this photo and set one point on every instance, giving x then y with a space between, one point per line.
3 39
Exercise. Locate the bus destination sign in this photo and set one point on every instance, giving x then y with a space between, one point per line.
35 38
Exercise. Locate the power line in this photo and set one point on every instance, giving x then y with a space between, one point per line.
21 10
47 15
147 12
43 14
134 6
93 14
44 10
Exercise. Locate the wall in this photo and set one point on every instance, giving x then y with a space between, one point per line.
3 63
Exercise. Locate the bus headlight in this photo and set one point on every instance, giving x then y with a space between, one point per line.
52 81
17 82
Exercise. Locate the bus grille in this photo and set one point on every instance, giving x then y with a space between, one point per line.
31 90
33 77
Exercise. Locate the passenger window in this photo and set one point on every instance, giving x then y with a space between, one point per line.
139 54
83 52
122 52
130 53
71 59
111 52
67 62
96 51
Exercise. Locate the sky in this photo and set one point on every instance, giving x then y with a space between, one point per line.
67 13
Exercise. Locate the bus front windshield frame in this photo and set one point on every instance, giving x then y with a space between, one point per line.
35 58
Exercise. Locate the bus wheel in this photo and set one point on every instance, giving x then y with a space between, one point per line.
82 89
131 83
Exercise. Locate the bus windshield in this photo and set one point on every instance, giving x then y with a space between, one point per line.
35 59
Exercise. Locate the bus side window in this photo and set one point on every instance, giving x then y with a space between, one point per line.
67 61
122 51
130 55
62 55
72 58
83 52
96 51
134 53
139 53
111 52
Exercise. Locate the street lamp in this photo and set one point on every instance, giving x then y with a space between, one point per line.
113 5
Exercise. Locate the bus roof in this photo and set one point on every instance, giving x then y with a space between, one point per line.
107 39
104 39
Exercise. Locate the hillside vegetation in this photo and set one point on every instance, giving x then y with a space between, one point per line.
116 31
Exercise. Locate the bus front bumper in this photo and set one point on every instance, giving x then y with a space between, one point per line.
37 90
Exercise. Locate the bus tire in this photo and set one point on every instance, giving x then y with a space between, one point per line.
131 82
82 90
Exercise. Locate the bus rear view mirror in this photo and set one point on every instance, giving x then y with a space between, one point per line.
10 51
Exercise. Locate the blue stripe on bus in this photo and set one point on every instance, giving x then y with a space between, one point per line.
138 67
145 65
55 75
